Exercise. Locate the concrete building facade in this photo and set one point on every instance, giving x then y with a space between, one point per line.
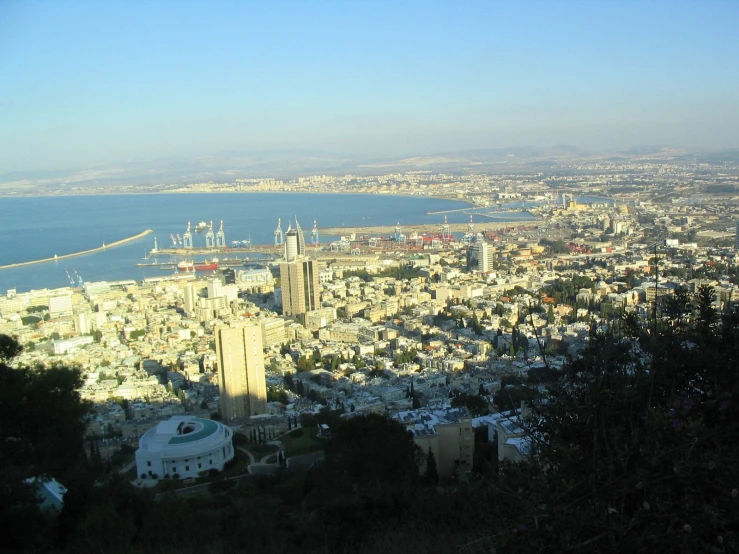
241 377
60 306
447 432
300 287
485 257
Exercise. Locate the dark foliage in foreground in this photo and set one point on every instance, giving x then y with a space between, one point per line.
635 450
636 447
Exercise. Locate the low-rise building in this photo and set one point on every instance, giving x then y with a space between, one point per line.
184 446
447 432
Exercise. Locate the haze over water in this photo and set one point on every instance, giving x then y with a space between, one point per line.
40 227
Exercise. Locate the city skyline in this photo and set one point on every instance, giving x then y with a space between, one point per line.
89 83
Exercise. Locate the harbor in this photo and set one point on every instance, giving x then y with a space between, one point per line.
81 253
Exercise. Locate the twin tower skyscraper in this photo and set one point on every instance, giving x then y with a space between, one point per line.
239 348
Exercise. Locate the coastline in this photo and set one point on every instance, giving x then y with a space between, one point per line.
188 192
425 227
82 253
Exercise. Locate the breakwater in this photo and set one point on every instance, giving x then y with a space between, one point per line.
82 253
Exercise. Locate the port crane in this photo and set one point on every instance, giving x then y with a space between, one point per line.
279 237
314 233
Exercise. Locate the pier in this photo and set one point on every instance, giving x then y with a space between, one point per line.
82 253
267 251
463 210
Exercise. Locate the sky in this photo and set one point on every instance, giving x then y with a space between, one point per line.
96 82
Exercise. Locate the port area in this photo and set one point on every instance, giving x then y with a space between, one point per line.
423 228
215 251
82 253
355 241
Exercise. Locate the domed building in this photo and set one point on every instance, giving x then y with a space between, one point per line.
184 446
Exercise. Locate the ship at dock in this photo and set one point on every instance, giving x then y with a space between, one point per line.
198 266
200 227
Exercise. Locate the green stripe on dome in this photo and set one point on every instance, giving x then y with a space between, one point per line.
209 427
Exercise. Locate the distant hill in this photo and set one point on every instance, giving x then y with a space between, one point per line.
481 157
287 164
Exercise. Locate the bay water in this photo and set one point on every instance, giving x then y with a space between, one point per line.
41 227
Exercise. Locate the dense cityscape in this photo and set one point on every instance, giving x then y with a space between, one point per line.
453 333
369 277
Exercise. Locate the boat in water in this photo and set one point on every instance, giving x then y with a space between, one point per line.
200 227
198 266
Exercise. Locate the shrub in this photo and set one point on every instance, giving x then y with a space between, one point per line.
296 434
220 486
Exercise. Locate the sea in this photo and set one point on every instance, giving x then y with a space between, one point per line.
41 227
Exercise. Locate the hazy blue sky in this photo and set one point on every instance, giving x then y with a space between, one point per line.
100 81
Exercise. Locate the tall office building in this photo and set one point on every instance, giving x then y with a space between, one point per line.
191 299
736 239
486 257
481 256
300 288
241 379
298 276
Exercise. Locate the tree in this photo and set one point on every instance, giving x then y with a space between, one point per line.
42 423
432 473
288 380
477 405
476 327
395 459
416 403
9 348
305 364
631 447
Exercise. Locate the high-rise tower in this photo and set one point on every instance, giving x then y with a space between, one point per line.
301 239
241 379
485 256
300 288
291 245
294 243
298 276
481 256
